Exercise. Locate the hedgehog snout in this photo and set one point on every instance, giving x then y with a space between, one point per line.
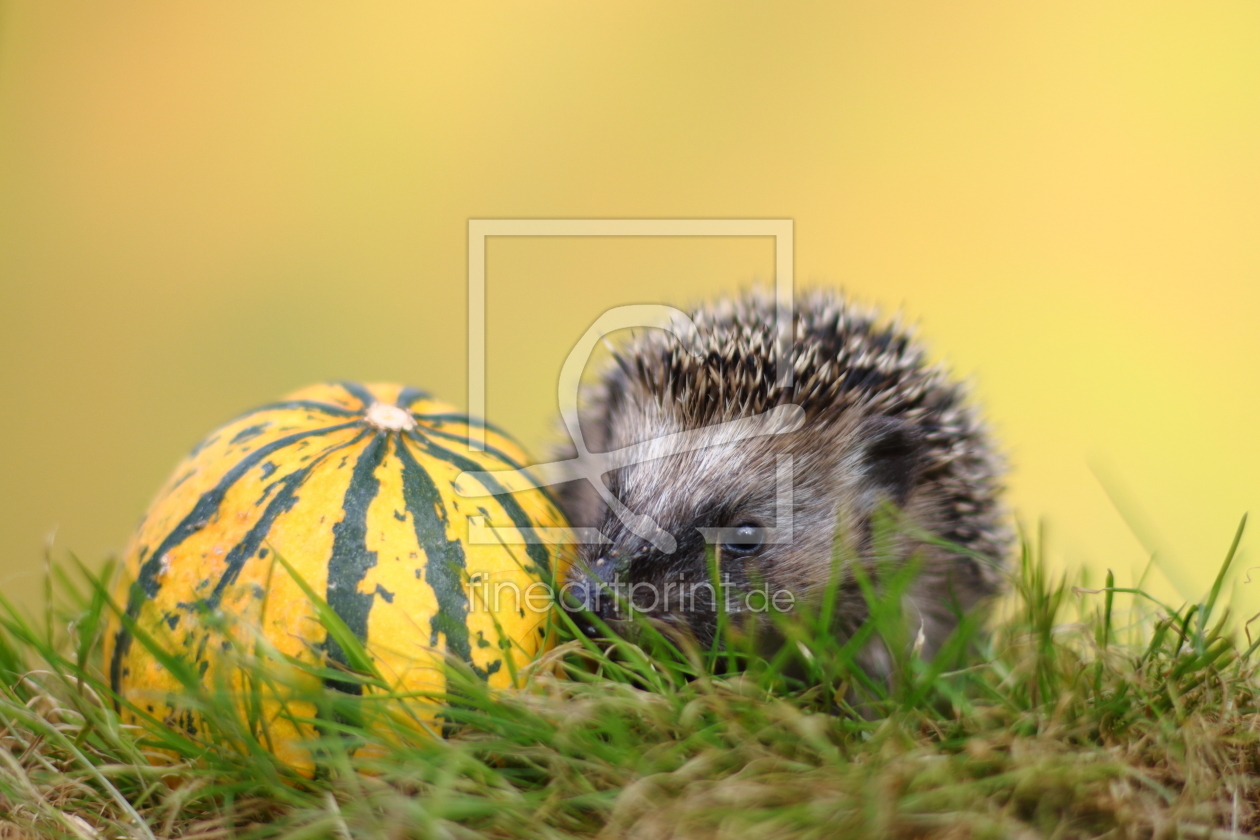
584 599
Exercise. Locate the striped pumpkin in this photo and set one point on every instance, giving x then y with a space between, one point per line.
354 487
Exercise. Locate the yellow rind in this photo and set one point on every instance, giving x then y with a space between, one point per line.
263 616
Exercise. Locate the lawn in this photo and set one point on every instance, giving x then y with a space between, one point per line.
1073 712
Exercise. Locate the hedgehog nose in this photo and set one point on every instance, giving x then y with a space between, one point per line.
584 601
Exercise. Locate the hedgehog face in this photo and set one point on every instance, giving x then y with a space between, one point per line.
742 539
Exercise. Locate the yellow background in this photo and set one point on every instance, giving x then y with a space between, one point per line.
204 205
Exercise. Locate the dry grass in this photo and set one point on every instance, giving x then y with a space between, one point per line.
1084 714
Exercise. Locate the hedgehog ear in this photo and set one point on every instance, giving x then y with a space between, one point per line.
892 458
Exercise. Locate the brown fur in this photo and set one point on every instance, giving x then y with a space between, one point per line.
880 424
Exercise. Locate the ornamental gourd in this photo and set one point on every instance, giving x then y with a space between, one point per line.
355 488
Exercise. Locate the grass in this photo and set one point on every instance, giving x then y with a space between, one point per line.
1078 713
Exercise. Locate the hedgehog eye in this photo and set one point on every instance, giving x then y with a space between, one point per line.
746 540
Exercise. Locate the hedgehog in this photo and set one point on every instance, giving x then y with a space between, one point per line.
783 476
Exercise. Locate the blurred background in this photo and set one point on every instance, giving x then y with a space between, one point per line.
203 206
